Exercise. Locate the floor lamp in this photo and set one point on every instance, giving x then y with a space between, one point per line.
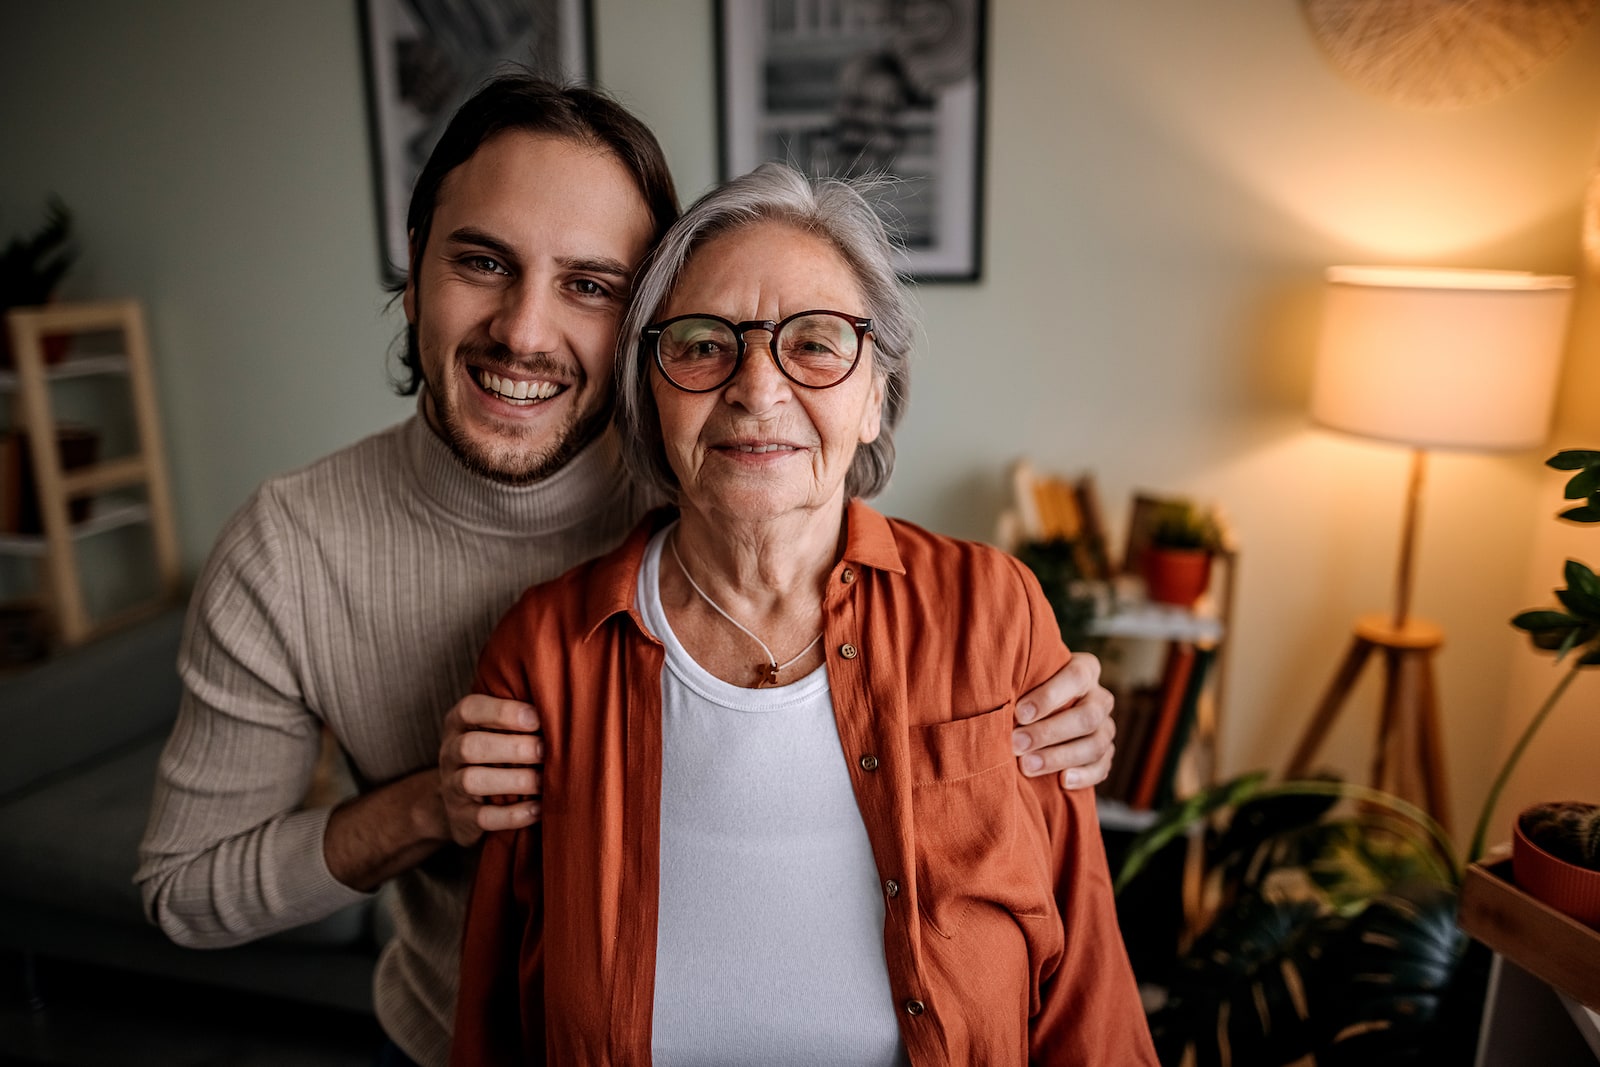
1448 359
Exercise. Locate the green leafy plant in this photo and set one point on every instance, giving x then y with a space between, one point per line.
1185 525
1326 917
1573 633
32 265
1055 564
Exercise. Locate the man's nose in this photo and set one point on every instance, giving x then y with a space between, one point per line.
527 320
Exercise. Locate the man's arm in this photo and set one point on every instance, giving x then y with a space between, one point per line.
228 855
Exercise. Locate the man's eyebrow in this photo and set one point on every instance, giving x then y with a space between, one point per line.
603 265
466 235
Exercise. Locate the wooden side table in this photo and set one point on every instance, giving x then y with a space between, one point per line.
1543 1005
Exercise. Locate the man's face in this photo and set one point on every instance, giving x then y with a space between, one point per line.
517 299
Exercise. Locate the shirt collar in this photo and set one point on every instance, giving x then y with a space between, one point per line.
868 542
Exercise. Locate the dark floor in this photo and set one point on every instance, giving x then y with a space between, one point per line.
101 1018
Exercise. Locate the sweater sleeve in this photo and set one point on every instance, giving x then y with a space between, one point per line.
227 855
1089 1008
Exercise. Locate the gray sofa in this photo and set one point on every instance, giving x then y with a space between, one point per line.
79 739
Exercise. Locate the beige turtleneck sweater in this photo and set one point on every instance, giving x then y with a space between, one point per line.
355 592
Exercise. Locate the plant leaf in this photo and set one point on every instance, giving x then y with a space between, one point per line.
1539 619
1571 459
1580 604
1177 819
1549 640
1590 658
1584 483
1583 513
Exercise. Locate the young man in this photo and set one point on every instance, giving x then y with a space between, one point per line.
357 591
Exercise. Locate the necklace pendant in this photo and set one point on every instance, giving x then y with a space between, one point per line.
769 674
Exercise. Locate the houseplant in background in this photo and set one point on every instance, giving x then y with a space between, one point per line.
1176 563
1326 922
32 266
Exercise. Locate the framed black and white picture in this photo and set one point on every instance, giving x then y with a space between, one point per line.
425 57
866 87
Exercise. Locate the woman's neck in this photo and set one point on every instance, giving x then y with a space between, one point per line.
769 576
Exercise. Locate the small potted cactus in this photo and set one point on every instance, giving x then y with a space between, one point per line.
1555 856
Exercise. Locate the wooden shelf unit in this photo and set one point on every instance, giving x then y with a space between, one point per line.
30 380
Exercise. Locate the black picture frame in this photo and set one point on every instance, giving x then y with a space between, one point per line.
424 58
877 87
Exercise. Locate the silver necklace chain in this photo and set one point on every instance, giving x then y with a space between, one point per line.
773 667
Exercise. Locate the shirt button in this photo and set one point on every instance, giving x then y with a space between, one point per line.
847 650
891 887
869 762
848 576
915 1007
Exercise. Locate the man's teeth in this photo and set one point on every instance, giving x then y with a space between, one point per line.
506 389
764 448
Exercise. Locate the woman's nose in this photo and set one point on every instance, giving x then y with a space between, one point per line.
758 384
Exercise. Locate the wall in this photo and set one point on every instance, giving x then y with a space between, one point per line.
1165 184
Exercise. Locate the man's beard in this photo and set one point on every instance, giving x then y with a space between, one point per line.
500 460
574 436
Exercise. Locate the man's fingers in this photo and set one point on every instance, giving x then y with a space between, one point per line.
480 782
508 817
486 746
1084 753
1079 676
496 714
1092 775
1087 719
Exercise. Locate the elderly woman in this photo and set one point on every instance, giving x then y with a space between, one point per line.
782 821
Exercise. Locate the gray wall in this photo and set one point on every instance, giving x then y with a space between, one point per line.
1165 184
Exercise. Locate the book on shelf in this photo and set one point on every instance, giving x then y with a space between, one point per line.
1169 708
1166 791
1135 714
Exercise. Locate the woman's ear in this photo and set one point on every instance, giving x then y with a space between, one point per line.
872 416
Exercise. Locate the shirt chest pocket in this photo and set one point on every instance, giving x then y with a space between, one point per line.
978 838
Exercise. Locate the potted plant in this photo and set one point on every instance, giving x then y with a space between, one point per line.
1325 925
1327 921
32 265
1555 856
1177 560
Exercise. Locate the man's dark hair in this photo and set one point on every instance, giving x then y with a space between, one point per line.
524 101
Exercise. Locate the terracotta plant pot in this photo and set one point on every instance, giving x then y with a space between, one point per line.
1566 887
1176 575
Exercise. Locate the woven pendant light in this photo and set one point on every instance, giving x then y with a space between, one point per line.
1443 53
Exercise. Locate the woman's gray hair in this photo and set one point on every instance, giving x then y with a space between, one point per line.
830 208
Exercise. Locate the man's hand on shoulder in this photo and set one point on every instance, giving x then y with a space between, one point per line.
488 774
1065 726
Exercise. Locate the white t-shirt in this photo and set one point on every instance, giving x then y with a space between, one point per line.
769 946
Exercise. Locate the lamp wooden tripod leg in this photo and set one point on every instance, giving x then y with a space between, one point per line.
1408 757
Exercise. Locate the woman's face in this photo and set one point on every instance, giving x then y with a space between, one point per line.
762 447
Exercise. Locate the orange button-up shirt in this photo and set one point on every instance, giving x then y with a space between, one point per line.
999 932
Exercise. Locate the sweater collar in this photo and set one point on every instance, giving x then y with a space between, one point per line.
571 495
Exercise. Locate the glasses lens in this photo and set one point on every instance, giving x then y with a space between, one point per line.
698 353
818 350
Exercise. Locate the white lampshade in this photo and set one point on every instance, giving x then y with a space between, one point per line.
1441 358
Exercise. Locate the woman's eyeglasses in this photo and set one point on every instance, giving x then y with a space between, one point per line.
814 349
